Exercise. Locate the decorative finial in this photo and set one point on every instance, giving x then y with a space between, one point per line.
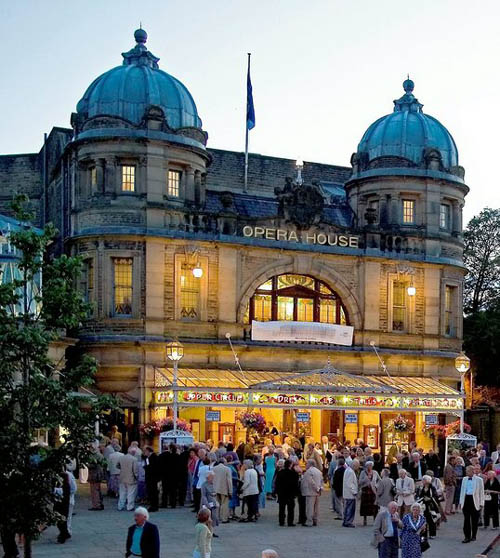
408 85
140 35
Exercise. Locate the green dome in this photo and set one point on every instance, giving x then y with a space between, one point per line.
128 90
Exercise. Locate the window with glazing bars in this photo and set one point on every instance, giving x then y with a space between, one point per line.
189 294
173 183
449 314
408 212
128 178
122 284
398 306
444 216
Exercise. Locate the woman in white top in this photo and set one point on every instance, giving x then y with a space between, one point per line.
250 491
203 472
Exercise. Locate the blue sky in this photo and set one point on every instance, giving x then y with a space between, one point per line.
323 70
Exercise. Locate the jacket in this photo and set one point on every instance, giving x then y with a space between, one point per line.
287 484
315 455
208 498
450 477
338 481
350 484
381 527
384 492
405 491
394 469
364 480
113 462
151 469
129 469
312 482
478 494
150 540
413 470
223 482
250 483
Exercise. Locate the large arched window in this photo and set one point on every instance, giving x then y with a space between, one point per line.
298 298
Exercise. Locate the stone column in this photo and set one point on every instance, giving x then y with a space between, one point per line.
395 218
383 210
100 166
111 185
141 179
190 186
83 186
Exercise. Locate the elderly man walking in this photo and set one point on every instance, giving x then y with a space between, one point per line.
143 538
129 469
311 485
223 485
385 528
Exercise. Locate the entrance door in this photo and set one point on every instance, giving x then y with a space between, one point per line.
226 432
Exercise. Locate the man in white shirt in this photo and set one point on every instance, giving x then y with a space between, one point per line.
471 502
350 492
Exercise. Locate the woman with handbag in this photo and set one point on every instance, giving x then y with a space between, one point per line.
491 491
413 539
427 496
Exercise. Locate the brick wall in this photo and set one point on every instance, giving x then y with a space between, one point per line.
264 173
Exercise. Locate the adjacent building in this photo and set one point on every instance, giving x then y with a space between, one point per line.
176 245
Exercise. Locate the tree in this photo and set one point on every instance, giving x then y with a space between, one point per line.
482 259
34 392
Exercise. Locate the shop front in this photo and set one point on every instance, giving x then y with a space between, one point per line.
383 411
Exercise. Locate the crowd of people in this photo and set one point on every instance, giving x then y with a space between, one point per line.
405 496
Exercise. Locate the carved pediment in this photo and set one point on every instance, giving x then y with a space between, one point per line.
299 203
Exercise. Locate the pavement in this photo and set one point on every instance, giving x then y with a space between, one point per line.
102 534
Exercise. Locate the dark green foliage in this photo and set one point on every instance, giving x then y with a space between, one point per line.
35 392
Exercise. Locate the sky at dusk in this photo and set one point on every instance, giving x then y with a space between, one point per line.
322 70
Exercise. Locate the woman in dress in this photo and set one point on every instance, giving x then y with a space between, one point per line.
427 495
413 526
270 468
491 491
368 480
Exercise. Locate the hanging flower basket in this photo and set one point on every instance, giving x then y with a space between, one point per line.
400 424
445 430
153 428
252 421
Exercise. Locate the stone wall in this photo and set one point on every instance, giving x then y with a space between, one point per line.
264 172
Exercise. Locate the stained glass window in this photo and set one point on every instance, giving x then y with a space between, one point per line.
398 306
449 311
123 289
189 293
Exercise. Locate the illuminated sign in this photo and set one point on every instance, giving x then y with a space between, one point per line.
309 400
301 237
212 416
303 417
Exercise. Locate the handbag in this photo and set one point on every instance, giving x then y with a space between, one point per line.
424 542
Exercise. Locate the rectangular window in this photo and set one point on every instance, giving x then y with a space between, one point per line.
89 279
122 284
285 308
262 307
190 287
449 311
128 178
408 212
327 311
399 308
305 310
173 183
444 216
93 178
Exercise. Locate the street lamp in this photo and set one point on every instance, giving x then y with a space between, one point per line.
462 365
197 270
175 351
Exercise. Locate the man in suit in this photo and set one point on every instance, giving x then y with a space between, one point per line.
151 472
385 488
287 489
405 491
349 494
223 486
326 455
471 502
129 470
483 459
310 487
143 538
396 467
432 462
416 468
338 488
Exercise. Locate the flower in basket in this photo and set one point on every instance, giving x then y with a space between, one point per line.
444 430
400 424
167 424
252 420
150 429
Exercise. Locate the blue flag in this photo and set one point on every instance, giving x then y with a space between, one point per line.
250 108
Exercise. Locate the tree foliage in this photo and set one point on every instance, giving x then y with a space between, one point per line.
35 393
482 260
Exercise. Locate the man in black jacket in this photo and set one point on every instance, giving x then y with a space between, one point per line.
396 467
338 487
287 488
151 471
143 538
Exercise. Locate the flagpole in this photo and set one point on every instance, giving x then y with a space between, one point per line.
246 132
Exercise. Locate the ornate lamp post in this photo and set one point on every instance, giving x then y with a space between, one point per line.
175 351
462 364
